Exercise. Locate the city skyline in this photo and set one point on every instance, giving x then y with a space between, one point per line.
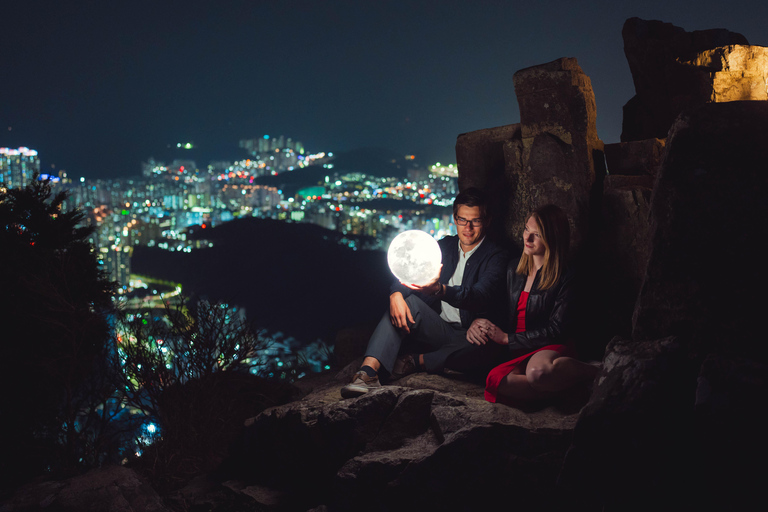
99 88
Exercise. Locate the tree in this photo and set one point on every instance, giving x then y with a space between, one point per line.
54 312
192 369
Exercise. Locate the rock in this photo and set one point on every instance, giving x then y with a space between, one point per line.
489 159
562 157
408 445
731 423
638 158
737 72
623 255
632 445
707 217
109 489
674 70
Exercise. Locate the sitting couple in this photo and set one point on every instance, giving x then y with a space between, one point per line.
455 320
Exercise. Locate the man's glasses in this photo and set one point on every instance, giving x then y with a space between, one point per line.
475 223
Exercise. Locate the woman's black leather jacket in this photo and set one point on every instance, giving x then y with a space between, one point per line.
547 315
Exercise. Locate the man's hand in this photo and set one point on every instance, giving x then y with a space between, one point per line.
475 333
483 330
431 288
399 312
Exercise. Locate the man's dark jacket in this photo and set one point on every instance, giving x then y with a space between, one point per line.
482 293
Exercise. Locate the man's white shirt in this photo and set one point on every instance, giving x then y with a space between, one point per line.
449 313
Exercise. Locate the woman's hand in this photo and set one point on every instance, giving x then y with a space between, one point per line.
483 330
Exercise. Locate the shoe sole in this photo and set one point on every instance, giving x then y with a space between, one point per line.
354 391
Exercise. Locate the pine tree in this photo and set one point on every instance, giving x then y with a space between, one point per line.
54 329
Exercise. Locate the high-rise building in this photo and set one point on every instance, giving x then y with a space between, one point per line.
17 166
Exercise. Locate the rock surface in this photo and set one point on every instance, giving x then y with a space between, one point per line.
675 71
110 489
637 158
632 445
427 442
562 159
708 214
490 160
624 248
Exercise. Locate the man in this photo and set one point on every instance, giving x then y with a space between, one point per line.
435 317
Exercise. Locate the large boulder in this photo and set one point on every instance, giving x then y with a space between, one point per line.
731 422
736 72
552 156
674 70
562 157
708 217
636 158
623 255
489 159
632 445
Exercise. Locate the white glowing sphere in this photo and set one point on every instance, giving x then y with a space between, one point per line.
414 257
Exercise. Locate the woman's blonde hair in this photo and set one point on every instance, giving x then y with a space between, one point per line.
555 232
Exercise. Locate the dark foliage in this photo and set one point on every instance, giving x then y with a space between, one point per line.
188 368
54 310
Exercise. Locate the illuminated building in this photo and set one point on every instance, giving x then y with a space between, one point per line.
275 153
17 166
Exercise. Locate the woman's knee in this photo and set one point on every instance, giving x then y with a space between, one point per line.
539 376
539 370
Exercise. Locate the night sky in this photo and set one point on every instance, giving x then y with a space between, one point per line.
97 87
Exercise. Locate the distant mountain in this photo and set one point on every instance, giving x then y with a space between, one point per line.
290 277
372 161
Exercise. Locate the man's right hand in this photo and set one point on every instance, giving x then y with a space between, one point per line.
399 312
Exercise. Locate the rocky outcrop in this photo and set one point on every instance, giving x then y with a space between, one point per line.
637 158
490 160
632 445
736 72
676 417
623 251
678 407
562 155
111 489
676 71
708 219
552 156
730 424
406 446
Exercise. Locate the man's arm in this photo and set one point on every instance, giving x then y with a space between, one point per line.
399 312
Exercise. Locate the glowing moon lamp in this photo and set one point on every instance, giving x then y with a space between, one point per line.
414 257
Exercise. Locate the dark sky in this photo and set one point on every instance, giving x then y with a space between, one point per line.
99 86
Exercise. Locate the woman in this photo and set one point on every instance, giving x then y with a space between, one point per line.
540 293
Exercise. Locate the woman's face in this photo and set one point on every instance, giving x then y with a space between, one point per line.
534 244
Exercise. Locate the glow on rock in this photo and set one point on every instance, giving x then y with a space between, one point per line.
414 257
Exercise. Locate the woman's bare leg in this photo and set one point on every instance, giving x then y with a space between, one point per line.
515 388
549 372
543 375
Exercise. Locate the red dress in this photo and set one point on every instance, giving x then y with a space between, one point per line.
500 372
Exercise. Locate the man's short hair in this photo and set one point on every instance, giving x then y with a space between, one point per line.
472 197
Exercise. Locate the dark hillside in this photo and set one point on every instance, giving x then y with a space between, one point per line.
291 277
372 161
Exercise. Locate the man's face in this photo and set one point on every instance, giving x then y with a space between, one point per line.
470 234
